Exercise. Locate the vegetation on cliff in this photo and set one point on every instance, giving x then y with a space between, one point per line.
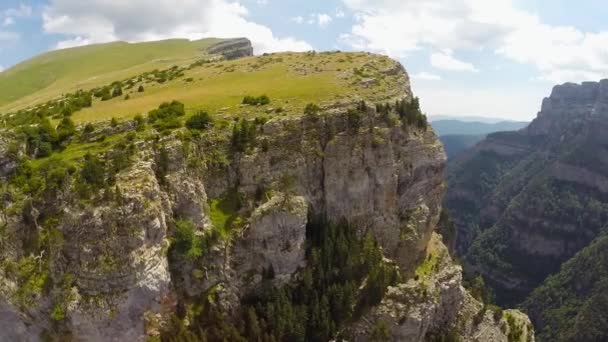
345 275
571 305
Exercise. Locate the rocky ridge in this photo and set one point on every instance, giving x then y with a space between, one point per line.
528 201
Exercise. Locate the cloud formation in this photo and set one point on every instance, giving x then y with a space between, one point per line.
426 76
446 61
97 21
400 27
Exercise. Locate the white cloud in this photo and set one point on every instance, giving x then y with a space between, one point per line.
340 13
399 27
323 19
426 76
97 21
1 68
21 11
446 61
8 37
443 98
8 21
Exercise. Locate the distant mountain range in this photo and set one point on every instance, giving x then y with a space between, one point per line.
458 135
468 118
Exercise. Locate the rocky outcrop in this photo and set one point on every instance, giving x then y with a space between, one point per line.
274 241
232 48
434 304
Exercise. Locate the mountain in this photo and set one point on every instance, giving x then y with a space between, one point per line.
483 119
283 197
457 127
526 202
456 144
572 305
52 74
458 136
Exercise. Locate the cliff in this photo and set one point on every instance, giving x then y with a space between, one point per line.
526 202
189 222
232 48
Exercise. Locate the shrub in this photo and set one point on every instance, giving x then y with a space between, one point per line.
117 92
167 116
200 121
140 89
65 129
140 122
185 240
89 128
311 109
256 101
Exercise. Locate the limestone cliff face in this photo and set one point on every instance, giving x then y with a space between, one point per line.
111 276
527 201
434 304
232 48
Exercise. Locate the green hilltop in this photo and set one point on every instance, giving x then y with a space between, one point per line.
61 71
148 74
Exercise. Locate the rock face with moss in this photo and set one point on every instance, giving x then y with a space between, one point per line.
434 305
159 230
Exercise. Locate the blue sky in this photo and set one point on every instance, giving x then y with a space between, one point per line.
493 58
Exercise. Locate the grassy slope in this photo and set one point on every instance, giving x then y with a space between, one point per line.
290 80
54 73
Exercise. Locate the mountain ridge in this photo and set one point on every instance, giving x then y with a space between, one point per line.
526 202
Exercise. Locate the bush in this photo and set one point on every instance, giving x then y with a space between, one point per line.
200 121
167 116
256 101
65 129
243 135
117 92
140 89
93 172
89 128
140 122
185 240
311 109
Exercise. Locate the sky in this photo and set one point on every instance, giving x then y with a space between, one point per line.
491 58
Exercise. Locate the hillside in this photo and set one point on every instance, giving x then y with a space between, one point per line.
457 127
219 86
571 305
458 136
456 144
49 75
526 202
285 197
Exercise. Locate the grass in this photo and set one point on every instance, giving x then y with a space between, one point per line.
291 80
61 71
76 151
434 255
213 88
427 268
224 212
